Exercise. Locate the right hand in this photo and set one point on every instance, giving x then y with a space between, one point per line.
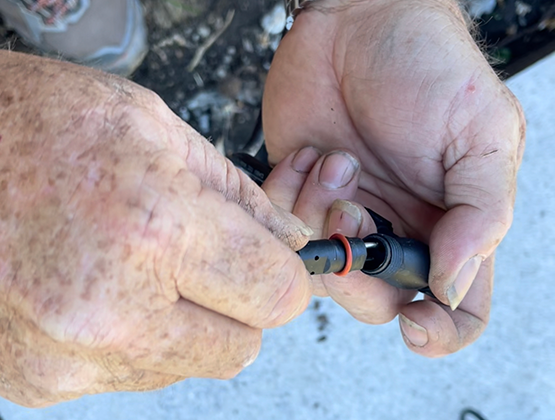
402 85
132 255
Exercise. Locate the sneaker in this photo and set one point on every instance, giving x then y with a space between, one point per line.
106 34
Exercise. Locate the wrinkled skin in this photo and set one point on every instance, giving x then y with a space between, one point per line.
132 255
401 86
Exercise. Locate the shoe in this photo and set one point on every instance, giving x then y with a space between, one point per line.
106 34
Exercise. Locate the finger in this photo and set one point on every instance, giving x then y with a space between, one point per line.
480 185
188 340
366 298
184 340
49 371
144 380
217 256
219 174
286 180
334 176
434 330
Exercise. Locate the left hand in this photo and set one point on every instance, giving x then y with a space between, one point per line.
403 87
132 254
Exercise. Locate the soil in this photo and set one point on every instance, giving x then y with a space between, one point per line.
518 33
221 95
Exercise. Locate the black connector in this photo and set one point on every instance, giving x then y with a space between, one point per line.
256 170
401 262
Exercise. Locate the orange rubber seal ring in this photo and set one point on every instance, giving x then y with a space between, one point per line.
348 251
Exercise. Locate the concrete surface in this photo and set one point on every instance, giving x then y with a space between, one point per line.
364 372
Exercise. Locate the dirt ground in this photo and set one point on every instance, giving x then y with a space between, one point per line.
208 59
221 96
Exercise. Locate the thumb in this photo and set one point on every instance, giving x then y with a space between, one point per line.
480 189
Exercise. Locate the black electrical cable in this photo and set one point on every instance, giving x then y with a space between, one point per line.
256 140
470 414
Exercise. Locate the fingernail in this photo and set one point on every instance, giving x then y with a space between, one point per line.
249 360
344 217
338 170
306 231
305 159
458 290
414 333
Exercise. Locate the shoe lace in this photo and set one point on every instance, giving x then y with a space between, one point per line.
51 10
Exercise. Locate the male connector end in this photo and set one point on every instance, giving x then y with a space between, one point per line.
339 255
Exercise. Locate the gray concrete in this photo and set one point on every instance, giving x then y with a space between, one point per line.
364 372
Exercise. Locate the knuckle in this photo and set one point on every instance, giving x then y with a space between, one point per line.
151 101
135 97
152 97
455 344
448 338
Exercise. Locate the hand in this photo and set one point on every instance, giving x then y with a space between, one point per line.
132 255
403 87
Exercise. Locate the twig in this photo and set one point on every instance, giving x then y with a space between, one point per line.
209 42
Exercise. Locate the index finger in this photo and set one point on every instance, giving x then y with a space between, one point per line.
213 253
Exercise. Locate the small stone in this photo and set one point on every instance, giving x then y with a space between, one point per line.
273 22
218 22
204 123
231 87
203 31
274 42
198 80
221 73
477 8
522 9
184 113
247 45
